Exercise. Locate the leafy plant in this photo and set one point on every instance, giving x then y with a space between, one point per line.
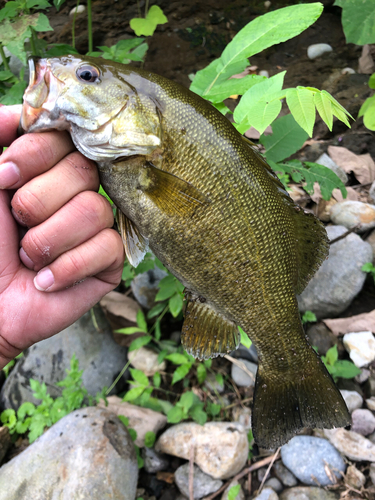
308 317
367 109
369 268
124 51
189 405
147 25
358 20
339 367
133 435
234 491
33 419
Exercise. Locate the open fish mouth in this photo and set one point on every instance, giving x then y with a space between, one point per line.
39 101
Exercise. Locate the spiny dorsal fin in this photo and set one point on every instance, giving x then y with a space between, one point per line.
205 332
136 246
311 237
170 194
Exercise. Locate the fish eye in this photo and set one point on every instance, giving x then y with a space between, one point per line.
88 74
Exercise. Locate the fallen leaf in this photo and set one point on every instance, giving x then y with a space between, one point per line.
252 133
119 305
366 63
363 166
360 323
167 477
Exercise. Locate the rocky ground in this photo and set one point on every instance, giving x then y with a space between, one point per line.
89 453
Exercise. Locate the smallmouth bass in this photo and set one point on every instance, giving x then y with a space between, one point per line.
188 186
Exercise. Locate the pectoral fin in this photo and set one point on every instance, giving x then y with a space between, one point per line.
170 194
205 332
136 246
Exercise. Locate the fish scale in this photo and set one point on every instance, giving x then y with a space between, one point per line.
188 186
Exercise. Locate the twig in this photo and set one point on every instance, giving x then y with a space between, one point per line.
241 365
268 470
351 230
240 475
191 471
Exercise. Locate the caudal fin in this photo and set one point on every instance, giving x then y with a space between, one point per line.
284 405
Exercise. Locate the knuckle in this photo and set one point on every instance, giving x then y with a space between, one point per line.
37 246
94 209
77 165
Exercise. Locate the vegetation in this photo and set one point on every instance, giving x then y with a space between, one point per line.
339 367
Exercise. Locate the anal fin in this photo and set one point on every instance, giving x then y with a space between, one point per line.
205 332
172 195
136 246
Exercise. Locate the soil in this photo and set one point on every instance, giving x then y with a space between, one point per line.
196 33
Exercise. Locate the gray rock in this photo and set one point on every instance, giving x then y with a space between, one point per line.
247 353
372 473
306 457
355 477
242 416
267 494
275 484
308 493
327 161
145 286
203 484
339 279
153 461
363 422
321 337
351 444
212 384
240 377
371 240
100 358
285 476
350 213
87 454
363 376
317 50
352 399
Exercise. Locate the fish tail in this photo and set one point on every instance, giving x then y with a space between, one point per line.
286 403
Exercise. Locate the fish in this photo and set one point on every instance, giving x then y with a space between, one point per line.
199 195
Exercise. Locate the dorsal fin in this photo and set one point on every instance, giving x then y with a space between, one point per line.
311 237
205 332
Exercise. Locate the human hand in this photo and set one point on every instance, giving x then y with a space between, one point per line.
69 258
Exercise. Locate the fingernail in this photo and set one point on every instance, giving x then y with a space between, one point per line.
26 259
9 175
18 218
44 279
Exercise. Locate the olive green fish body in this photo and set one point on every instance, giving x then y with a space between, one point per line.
194 191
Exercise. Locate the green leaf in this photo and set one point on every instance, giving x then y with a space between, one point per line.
139 342
256 107
327 180
162 355
133 433
358 20
287 138
133 393
186 400
371 82
338 110
233 86
42 23
156 15
139 377
148 25
156 380
58 3
166 292
175 415
263 32
150 438
213 408
23 427
175 304
177 358
5 75
302 107
181 372
204 78
8 418
207 363
128 331
323 105
233 492
368 267
62 49
346 369
368 112
156 310
201 373
309 317
26 408
219 378
198 414
124 420
141 321
38 4
332 355
10 10
244 338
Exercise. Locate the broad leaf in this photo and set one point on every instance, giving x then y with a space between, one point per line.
358 20
301 104
139 377
202 83
245 341
287 138
233 86
371 82
140 342
181 372
368 112
323 105
146 26
175 304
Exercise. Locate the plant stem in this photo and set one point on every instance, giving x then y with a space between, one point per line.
74 26
3 57
89 22
118 378
139 9
32 42
146 8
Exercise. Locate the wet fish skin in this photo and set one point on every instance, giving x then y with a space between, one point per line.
197 194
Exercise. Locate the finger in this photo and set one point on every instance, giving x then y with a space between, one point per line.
9 120
9 242
80 219
101 256
31 155
41 197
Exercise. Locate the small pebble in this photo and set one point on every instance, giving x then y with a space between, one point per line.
307 456
352 399
363 422
285 476
203 483
350 213
146 360
264 72
372 473
275 484
241 378
354 477
80 9
317 50
371 403
361 347
307 493
327 161
363 376
348 71
267 494
354 446
267 4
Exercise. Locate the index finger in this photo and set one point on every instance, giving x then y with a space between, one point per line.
9 120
